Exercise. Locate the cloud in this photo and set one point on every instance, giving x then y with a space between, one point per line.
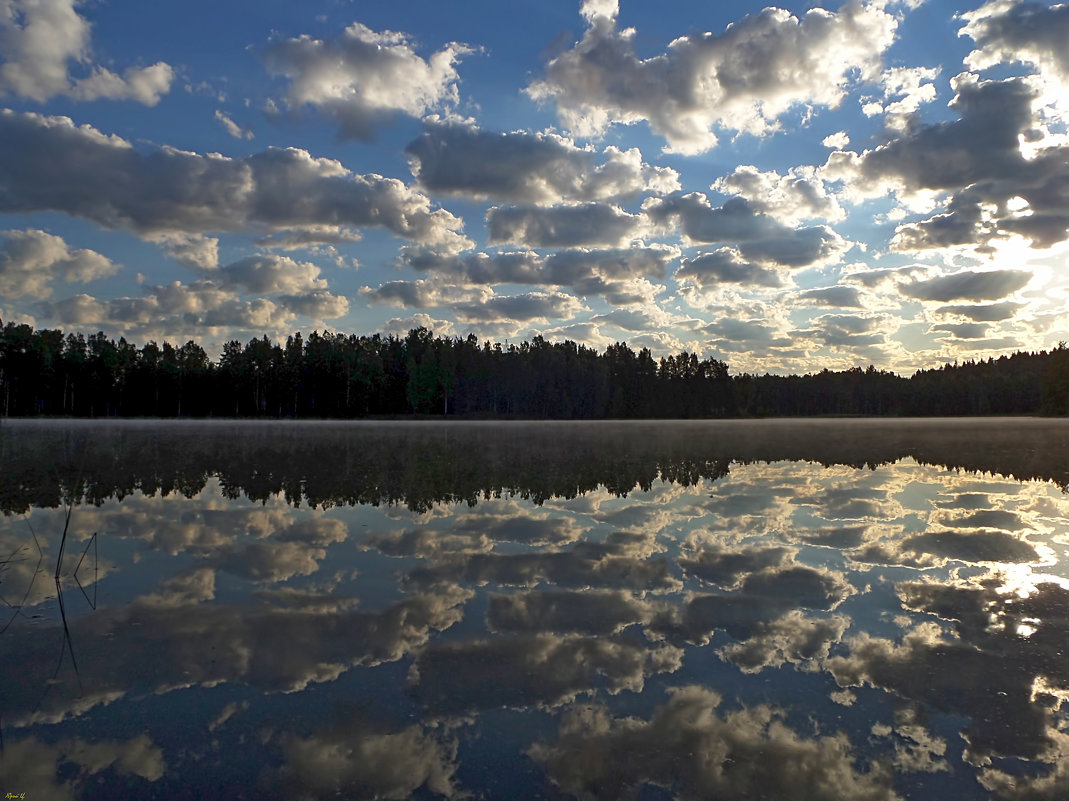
84 173
742 336
1001 165
526 670
757 236
617 274
356 761
987 313
423 294
799 195
968 285
232 127
726 266
39 39
523 167
688 744
31 260
363 77
307 237
963 330
192 250
1009 31
743 79
832 296
270 273
563 226
524 308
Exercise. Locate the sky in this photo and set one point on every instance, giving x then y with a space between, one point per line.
783 188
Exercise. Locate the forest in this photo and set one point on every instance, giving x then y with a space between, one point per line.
337 376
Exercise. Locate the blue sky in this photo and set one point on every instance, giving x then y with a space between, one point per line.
784 188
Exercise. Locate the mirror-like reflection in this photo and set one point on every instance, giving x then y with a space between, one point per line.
829 609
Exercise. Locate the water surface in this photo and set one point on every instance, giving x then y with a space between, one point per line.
825 609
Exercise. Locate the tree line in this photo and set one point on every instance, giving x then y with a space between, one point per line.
332 375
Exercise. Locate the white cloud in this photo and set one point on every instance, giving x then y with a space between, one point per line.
232 127
743 79
799 195
363 77
192 250
40 39
31 260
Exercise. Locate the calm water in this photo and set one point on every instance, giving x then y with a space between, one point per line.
822 610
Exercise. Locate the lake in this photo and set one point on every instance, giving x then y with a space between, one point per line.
824 609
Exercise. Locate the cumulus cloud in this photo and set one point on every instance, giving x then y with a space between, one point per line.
524 167
525 308
525 670
356 761
986 313
423 294
41 39
757 236
192 250
799 195
742 336
963 330
84 173
31 260
968 285
1010 30
699 751
999 163
563 226
207 303
836 296
309 236
363 77
743 79
617 274
726 266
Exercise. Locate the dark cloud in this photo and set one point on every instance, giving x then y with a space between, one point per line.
357 760
701 752
963 330
757 236
725 567
1034 33
978 546
527 670
84 173
978 158
523 308
835 296
524 167
986 672
968 285
562 226
620 562
590 612
744 335
760 598
726 266
987 313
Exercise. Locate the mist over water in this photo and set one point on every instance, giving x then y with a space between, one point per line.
806 609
